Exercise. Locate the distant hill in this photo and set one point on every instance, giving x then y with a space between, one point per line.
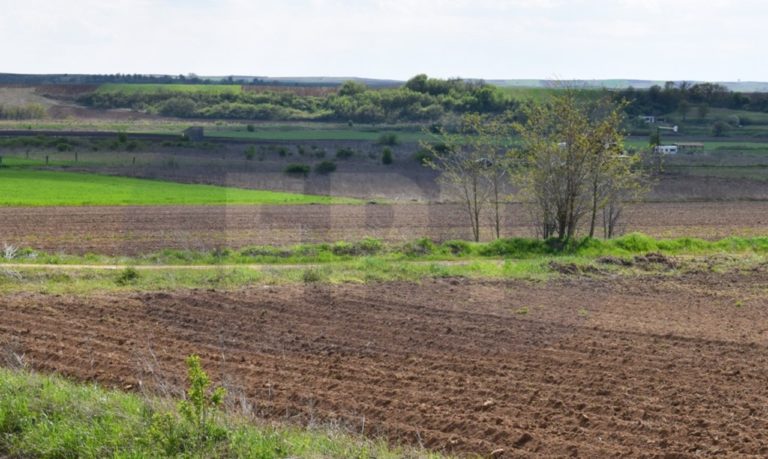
737 86
29 79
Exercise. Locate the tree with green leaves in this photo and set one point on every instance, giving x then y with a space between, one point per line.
574 161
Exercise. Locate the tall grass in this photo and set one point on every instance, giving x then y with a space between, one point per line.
47 416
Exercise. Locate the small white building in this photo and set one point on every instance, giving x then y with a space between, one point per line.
650 119
665 149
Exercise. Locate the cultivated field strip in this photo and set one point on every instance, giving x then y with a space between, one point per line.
136 230
597 368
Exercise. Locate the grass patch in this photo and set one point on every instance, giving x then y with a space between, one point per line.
48 188
372 261
47 416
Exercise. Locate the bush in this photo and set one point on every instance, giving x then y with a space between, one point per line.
250 128
422 156
325 167
345 153
388 139
423 246
311 275
127 276
297 169
458 248
720 129
250 153
386 156
367 247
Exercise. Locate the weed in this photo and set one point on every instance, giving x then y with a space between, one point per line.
127 276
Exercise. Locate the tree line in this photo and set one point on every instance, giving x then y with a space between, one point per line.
421 99
685 97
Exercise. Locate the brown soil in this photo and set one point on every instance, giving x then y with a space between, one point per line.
132 230
642 367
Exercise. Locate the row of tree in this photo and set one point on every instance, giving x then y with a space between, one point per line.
569 165
420 99
683 97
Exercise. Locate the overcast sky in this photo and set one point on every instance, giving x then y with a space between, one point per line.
585 39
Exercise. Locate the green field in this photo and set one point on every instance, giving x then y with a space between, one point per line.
133 88
20 187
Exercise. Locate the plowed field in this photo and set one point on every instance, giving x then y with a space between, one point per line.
133 230
590 367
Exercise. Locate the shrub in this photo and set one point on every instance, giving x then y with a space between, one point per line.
250 153
250 128
423 246
127 276
367 246
388 139
458 248
198 429
283 152
422 156
297 169
345 153
386 156
720 129
311 275
325 167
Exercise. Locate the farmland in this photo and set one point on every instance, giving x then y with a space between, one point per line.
351 301
47 188
473 365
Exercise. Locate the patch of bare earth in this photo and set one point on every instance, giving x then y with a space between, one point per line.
640 367
135 230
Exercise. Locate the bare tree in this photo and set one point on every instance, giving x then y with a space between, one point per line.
474 161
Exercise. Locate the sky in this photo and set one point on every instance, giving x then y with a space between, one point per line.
713 40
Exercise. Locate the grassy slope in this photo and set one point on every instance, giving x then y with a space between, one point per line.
42 416
20 187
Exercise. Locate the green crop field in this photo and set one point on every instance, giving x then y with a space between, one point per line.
186 88
19 187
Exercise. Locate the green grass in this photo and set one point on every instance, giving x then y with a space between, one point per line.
421 250
133 88
19 187
224 269
47 416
